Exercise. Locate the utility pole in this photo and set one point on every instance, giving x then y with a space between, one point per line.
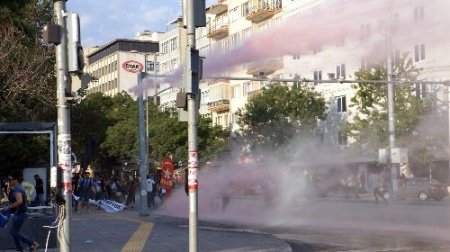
193 16
192 131
391 108
448 148
143 154
64 158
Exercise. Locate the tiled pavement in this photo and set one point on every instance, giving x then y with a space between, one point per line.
99 231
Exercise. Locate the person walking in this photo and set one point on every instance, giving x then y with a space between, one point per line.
39 187
18 207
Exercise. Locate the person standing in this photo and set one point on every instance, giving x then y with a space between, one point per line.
18 207
131 198
76 191
151 190
86 189
39 187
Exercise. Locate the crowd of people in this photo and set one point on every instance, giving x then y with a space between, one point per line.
86 187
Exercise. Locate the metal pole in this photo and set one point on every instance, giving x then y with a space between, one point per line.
448 149
143 157
192 127
391 110
64 157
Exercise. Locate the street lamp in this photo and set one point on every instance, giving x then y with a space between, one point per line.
143 155
143 144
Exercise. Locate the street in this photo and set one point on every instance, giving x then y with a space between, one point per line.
338 223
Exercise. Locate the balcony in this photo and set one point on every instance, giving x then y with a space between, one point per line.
218 8
260 10
266 67
219 106
218 31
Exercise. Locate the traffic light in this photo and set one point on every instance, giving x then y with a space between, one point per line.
74 49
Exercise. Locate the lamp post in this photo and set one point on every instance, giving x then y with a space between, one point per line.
143 144
143 157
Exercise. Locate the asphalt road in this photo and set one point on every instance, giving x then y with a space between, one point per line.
361 225
339 224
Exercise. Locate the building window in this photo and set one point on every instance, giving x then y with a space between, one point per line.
245 9
150 66
342 137
340 71
248 87
236 92
419 52
420 90
246 33
317 77
419 14
341 104
235 39
234 14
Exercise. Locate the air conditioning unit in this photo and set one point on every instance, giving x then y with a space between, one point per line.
331 76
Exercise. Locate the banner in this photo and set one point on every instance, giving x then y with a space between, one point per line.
166 174
109 206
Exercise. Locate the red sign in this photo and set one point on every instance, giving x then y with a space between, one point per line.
132 66
167 174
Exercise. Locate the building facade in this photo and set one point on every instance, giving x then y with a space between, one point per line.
113 68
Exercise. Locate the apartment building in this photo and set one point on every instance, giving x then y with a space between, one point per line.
113 67
417 28
420 32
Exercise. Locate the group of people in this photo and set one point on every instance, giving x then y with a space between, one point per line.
17 198
86 188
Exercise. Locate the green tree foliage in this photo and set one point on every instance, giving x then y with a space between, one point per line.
105 133
27 80
89 122
279 113
168 136
121 142
369 126
27 77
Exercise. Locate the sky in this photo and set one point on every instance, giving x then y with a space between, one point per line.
105 20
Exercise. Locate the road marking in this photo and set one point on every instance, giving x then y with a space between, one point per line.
137 241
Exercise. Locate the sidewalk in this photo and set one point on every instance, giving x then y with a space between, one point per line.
126 231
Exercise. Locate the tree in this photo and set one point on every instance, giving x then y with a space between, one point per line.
169 136
121 142
27 80
89 122
278 114
369 127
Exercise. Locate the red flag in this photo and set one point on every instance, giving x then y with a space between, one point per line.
167 174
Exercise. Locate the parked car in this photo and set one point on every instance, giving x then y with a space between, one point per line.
423 189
